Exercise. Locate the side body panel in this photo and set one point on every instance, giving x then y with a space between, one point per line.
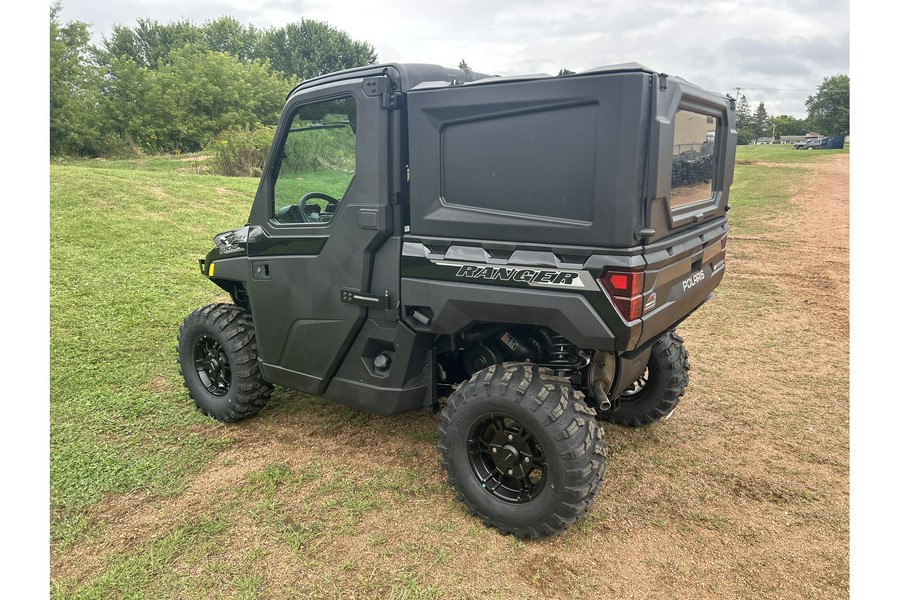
549 160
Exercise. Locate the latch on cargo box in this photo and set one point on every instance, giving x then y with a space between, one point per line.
366 300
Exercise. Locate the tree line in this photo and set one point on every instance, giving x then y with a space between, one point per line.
827 113
174 87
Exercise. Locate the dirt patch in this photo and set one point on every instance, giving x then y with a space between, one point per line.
198 158
762 163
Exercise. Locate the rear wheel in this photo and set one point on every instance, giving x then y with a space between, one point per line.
217 355
656 393
522 449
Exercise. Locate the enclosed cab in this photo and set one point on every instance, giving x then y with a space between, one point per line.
418 230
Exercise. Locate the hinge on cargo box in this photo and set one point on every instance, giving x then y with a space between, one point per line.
663 81
397 198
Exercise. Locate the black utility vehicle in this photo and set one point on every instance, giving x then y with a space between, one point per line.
523 245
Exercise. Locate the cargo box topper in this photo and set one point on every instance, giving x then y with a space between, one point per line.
513 253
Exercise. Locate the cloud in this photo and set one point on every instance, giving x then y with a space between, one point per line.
719 44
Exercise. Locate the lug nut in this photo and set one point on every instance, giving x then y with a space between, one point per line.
509 437
527 459
494 450
509 472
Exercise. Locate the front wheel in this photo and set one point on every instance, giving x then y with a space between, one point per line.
656 393
522 449
217 356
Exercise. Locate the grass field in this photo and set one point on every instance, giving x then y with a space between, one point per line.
742 493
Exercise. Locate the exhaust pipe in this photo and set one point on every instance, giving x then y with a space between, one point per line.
600 377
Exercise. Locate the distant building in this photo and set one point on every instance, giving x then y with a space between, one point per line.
692 131
765 140
792 139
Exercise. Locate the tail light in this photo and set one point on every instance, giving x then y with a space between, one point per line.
626 289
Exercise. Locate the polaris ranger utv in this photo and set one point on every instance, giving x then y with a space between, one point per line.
524 245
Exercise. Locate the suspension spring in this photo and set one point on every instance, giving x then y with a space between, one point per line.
563 356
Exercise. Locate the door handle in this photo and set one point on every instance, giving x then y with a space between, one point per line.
368 218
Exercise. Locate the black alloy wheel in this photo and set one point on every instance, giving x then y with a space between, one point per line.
507 459
522 449
212 365
219 362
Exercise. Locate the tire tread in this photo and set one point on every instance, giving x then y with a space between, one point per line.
567 419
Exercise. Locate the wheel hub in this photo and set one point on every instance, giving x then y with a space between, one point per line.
637 386
509 456
212 365
506 459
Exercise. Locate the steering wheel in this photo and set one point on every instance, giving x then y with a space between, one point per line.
310 213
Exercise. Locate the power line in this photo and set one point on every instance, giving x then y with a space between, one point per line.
792 90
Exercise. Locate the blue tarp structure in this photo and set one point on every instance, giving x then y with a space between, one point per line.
834 142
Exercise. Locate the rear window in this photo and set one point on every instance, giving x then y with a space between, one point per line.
693 158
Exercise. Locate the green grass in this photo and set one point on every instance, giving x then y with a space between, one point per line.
185 163
783 153
759 200
123 274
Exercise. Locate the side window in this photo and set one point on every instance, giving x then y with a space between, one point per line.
317 162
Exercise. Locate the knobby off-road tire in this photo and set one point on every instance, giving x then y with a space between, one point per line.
522 449
659 390
217 355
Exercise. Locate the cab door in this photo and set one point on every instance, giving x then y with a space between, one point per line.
320 214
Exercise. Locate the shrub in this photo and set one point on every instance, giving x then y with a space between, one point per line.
242 152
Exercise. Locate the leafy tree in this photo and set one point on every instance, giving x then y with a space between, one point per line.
311 48
167 87
135 106
209 92
788 125
150 42
228 35
828 111
73 88
761 123
299 50
744 121
742 113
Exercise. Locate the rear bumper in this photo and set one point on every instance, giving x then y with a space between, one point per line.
679 277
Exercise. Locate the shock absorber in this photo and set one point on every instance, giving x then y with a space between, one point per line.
562 356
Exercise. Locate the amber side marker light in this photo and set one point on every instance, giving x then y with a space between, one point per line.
626 289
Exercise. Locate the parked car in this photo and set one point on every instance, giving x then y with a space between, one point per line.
808 144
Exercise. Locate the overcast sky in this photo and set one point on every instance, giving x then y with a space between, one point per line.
777 51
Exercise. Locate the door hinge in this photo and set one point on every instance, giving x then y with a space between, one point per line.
392 101
384 87
398 198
